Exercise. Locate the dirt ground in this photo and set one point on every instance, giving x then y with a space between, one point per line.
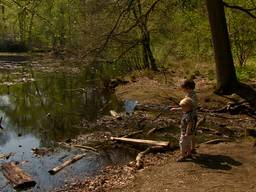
225 167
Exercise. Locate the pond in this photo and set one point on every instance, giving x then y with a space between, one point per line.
41 108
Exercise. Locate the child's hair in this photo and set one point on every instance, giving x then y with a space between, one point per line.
188 84
187 101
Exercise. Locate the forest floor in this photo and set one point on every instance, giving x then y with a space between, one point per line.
228 166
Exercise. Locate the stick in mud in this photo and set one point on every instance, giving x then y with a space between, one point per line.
66 163
139 162
216 141
85 147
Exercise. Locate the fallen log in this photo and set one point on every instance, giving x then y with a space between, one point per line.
216 141
142 141
66 163
18 178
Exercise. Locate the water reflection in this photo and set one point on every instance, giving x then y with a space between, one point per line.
53 105
48 109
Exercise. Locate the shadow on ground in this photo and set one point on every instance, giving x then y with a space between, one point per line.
248 93
220 162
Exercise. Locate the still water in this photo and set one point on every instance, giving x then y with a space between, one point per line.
41 108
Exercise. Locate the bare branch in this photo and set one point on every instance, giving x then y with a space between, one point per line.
126 51
245 10
140 18
112 33
33 12
102 47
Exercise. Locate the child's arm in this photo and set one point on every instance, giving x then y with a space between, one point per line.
189 129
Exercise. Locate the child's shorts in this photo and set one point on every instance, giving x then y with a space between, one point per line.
185 142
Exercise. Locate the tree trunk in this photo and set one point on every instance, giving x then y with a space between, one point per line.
225 69
146 45
148 57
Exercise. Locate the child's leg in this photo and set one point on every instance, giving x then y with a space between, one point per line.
193 142
189 145
183 148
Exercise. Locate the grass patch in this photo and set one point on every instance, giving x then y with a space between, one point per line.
247 72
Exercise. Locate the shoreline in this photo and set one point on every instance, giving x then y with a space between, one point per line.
150 91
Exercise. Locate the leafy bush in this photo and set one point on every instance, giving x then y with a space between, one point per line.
247 72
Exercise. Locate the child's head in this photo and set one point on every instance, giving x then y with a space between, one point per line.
186 104
188 85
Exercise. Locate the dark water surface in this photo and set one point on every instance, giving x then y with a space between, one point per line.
40 108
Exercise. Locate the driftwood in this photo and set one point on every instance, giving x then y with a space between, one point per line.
85 147
162 112
18 178
139 158
155 129
216 141
133 133
216 132
142 141
234 109
66 163
139 163
115 114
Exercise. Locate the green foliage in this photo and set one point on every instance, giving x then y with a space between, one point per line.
248 71
109 30
242 32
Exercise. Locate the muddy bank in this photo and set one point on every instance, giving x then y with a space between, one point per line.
152 96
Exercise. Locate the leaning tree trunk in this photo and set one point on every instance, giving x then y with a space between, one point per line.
225 69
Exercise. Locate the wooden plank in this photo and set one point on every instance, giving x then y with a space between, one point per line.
18 178
66 163
142 141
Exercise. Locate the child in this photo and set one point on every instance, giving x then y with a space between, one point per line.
188 86
188 122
